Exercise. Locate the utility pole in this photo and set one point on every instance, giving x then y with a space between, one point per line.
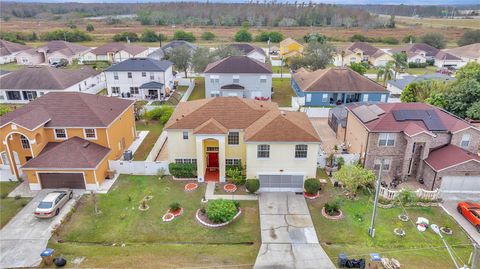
476 257
436 229
371 230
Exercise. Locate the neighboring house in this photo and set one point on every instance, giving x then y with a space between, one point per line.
251 51
115 52
445 59
290 47
396 86
140 78
29 83
421 53
422 49
157 54
239 76
336 86
52 52
362 52
468 53
178 43
8 51
277 147
418 142
65 139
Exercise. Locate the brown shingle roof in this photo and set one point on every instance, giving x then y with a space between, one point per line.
68 109
365 47
449 156
238 64
45 78
335 80
66 48
116 47
73 153
415 47
7 47
468 51
247 48
262 121
442 55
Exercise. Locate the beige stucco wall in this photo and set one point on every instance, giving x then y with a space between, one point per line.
179 147
355 135
282 160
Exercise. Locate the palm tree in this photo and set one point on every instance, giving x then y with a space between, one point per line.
386 72
400 61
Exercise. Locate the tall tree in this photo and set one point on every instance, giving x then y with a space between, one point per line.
400 61
319 55
200 59
181 58
436 40
386 72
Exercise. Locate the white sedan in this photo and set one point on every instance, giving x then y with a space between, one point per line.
51 204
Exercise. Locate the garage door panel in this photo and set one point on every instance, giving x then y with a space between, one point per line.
460 184
62 180
293 183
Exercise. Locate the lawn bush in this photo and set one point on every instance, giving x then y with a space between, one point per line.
340 162
243 35
234 174
174 206
274 37
132 37
417 65
161 114
220 211
182 170
406 197
312 185
252 185
182 35
208 36
332 207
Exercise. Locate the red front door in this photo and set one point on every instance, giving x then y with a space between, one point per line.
212 159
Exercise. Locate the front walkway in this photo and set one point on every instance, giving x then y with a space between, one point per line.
210 195
289 239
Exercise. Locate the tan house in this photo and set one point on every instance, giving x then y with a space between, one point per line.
8 50
417 142
65 139
359 52
115 52
52 52
278 147
468 53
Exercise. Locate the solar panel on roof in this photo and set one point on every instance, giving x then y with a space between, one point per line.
364 113
375 109
429 118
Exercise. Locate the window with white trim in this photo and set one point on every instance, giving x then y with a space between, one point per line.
152 75
387 139
236 79
263 79
90 133
233 138
134 90
365 97
263 151
214 93
214 79
231 162
383 98
465 140
324 97
25 142
185 135
115 90
308 97
5 160
60 133
301 151
115 75
186 161
129 74
144 74
386 164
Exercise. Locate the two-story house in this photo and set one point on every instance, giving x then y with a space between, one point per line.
26 84
336 86
277 147
361 52
115 52
239 76
8 51
289 47
65 139
52 52
251 51
421 52
140 78
417 142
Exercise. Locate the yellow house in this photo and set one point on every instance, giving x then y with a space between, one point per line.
361 52
65 139
279 148
290 47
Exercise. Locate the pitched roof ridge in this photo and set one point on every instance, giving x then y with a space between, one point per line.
52 75
299 126
88 104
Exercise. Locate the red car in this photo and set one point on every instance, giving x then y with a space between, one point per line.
471 211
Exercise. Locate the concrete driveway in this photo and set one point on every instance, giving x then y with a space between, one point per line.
328 136
25 237
289 239
451 208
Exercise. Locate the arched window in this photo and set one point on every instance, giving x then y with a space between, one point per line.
25 142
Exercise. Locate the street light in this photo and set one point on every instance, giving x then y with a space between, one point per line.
371 230
436 229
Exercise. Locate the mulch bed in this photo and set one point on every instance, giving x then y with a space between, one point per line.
230 187
177 212
191 186
204 221
310 196
337 216
219 189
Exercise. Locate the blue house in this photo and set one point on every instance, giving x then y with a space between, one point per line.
336 86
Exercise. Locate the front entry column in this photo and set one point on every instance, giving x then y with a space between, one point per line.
200 159
221 157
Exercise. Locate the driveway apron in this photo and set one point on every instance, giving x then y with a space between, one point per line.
289 239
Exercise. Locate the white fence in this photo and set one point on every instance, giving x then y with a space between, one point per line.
191 85
420 193
94 89
316 112
157 147
138 167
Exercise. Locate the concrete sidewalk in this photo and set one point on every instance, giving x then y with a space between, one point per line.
209 195
289 239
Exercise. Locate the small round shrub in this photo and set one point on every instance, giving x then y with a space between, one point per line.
220 211
332 207
252 185
174 206
312 185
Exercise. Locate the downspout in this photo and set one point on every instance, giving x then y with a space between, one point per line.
366 149
434 179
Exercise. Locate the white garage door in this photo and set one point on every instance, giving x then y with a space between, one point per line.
460 187
280 183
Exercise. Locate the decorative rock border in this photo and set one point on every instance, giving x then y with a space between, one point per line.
446 230
191 186
148 197
311 197
339 217
216 225
403 217
419 204
230 187
168 217
185 179
143 209
399 232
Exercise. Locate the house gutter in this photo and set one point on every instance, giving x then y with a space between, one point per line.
366 147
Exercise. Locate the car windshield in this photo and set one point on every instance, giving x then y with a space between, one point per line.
45 205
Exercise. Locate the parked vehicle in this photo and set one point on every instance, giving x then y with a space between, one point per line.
471 211
61 63
52 203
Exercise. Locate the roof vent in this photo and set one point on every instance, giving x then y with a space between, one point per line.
86 144
261 105
183 116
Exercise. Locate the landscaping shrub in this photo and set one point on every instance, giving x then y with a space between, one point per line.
417 65
208 36
340 162
234 174
132 37
252 185
220 211
182 35
149 35
312 185
332 207
406 197
243 35
175 206
430 62
182 170
161 114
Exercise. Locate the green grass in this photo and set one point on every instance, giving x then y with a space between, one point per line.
103 92
182 242
9 207
282 91
11 67
155 129
421 71
280 69
415 250
199 90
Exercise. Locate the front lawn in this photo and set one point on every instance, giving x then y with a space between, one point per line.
9 207
415 250
149 240
155 128
282 92
199 90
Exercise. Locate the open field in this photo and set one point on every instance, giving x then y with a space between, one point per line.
403 22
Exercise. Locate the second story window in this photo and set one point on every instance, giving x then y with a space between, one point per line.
115 75
90 133
236 79
214 79
263 151
263 79
233 138
387 139
144 74
60 133
152 76
185 135
465 140
301 151
129 74
25 142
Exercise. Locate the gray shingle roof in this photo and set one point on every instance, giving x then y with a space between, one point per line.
7 47
178 43
403 82
238 64
151 85
141 64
